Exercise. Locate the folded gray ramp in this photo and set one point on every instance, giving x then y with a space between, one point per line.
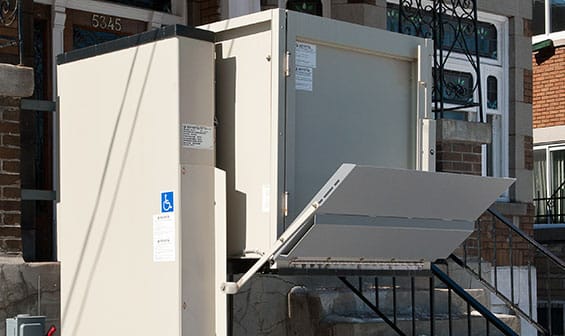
370 216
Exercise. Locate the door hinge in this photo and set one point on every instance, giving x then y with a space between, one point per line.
287 64
285 204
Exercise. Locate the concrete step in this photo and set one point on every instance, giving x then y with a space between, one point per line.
350 326
343 302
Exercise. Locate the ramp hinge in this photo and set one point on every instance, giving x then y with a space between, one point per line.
285 204
287 64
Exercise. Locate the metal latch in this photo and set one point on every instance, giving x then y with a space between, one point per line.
287 64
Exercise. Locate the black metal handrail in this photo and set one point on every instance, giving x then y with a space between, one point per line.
403 320
550 205
507 241
546 210
10 12
532 242
508 302
375 308
510 250
487 314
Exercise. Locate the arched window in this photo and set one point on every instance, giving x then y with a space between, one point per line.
313 7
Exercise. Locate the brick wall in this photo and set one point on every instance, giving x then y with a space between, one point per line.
15 82
549 91
492 242
458 157
529 153
549 273
459 150
10 202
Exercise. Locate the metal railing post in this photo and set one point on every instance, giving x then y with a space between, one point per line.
20 31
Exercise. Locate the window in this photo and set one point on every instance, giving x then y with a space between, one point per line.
460 82
487 32
549 184
86 37
492 92
458 87
313 7
548 16
158 5
538 22
556 317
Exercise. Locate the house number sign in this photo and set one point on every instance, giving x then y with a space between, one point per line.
106 22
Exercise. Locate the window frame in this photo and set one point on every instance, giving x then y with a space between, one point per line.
558 37
549 148
499 68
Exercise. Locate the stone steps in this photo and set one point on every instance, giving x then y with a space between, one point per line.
349 326
344 302
335 311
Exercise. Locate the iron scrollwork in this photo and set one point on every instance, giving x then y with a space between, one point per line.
8 12
454 28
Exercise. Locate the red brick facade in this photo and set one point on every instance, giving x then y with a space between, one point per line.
549 91
489 230
10 201
459 157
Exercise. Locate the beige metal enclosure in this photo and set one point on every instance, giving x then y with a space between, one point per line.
141 244
323 130
298 96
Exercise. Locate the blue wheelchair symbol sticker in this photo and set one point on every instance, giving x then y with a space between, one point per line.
167 202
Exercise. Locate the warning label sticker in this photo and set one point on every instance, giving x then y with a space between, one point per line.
197 137
305 54
304 78
164 237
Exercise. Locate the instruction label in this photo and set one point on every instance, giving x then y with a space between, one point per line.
197 137
305 54
304 78
164 237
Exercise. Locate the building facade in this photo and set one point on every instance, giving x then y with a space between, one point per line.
500 147
548 61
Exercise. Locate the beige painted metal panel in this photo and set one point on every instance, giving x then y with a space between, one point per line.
249 69
198 250
196 99
220 252
376 191
385 242
120 148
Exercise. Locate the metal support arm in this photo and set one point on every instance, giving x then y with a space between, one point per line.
305 215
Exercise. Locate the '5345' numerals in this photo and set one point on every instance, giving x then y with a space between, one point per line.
106 22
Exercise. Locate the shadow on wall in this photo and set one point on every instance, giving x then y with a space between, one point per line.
226 74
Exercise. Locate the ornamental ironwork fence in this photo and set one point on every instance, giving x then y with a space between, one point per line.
454 28
11 16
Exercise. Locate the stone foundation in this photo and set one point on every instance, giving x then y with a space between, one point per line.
29 288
